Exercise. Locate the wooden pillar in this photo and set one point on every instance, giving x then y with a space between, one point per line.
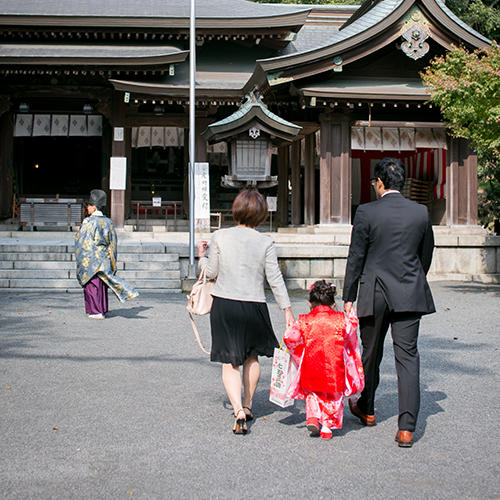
335 170
461 183
128 154
296 202
6 166
283 162
118 150
309 179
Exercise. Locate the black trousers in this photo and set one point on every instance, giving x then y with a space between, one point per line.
404 330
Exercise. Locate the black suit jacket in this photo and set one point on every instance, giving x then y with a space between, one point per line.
392 244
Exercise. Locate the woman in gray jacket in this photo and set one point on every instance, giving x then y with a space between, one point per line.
240 258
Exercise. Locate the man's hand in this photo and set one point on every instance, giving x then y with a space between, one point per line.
347 307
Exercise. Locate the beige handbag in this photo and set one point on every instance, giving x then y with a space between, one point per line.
200 301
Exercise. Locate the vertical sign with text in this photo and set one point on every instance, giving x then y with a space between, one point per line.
202 195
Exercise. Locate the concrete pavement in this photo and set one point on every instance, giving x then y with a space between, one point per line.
130 407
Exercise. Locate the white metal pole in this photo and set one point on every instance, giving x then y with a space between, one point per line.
192 77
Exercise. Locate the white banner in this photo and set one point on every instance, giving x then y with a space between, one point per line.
41 125
78 125
144 137
24 126
118 173
94 125
202 195
157 137
60 125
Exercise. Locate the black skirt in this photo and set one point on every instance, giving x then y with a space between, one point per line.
240 330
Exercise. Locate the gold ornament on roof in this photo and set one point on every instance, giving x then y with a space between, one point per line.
415 30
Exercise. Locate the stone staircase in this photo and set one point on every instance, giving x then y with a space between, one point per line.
32 265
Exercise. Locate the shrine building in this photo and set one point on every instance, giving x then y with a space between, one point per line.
329 90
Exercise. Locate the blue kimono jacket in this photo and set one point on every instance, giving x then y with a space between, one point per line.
95 249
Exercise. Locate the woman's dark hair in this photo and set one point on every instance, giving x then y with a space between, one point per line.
322 293
391 172
249 208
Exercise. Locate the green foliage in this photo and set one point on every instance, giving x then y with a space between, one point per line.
484 19
466 86
489 187
483 16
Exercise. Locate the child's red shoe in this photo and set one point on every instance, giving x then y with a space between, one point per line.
313 425
325 433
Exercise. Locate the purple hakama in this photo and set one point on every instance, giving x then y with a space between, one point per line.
96 296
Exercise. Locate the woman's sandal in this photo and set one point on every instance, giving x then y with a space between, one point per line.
248 414
240 424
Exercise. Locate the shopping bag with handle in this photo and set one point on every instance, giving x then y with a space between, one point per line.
283 374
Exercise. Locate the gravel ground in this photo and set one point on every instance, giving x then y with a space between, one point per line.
131 407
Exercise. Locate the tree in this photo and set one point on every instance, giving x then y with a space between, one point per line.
466 86
483 16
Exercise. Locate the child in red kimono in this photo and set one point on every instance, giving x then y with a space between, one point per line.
324 344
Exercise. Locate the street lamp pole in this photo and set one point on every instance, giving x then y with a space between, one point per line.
192 82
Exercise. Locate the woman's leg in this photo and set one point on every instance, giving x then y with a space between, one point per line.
251 376
232 383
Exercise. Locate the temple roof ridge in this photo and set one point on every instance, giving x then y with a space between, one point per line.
252 109
379 16
148 8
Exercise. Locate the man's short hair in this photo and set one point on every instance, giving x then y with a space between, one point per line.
391 172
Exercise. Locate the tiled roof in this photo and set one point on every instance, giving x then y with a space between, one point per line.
365 26
370 88
310 37
251 110
11 52
378 13
144 8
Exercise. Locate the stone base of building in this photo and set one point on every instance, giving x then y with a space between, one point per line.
306 254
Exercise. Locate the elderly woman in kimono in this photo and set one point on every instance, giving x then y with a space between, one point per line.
95 249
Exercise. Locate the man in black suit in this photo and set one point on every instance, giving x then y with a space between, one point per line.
390 253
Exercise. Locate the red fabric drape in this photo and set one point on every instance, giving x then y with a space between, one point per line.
425 164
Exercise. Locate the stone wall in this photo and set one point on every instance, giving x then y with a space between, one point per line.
462 253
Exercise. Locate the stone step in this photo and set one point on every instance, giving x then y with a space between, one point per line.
30 255
148 257
151 266
153 248
71 265
36 256
34 274
72 284
45 284
38 265
140 284
47 266
63 248
129 276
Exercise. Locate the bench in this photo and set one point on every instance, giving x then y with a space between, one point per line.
56 212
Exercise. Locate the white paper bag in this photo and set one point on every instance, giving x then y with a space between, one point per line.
283 374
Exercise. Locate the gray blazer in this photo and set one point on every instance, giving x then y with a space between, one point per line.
241 258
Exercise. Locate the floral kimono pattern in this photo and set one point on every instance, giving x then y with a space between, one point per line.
328 408
96 250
